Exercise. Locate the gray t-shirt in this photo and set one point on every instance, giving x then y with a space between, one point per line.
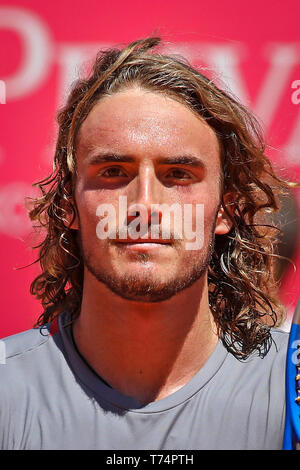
52 399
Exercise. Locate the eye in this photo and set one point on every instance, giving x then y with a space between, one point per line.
178 173
112 172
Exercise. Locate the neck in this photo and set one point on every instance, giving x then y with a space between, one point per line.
145 350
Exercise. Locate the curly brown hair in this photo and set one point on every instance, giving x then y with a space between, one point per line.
241 273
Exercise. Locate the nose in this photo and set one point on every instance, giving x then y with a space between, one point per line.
145 192
147 218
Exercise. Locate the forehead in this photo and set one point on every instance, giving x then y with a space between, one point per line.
149 121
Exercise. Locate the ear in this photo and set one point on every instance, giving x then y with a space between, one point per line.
224 223
71 218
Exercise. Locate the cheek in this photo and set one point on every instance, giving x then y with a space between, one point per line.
210 214
205 207
87 207
87 203
98 217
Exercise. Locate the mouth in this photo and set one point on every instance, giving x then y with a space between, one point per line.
145 240
143 244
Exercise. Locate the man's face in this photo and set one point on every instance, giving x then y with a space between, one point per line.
150 149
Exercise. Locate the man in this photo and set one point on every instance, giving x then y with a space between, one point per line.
152 337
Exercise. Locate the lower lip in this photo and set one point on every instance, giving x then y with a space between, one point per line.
143 246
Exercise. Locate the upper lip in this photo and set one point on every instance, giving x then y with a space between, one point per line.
144 240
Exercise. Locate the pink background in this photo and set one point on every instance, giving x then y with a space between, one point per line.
253 46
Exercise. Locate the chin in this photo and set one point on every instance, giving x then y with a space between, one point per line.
147 287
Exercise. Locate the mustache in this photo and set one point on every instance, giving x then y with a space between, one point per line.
145 231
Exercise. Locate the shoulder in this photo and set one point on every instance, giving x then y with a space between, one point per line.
280 337
18 344
279 347
262 375
27 361
24 353
266 367
276 356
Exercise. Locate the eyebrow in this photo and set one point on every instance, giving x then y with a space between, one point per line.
182 160
176 160
108 157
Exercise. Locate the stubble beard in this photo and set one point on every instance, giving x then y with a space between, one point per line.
145 287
